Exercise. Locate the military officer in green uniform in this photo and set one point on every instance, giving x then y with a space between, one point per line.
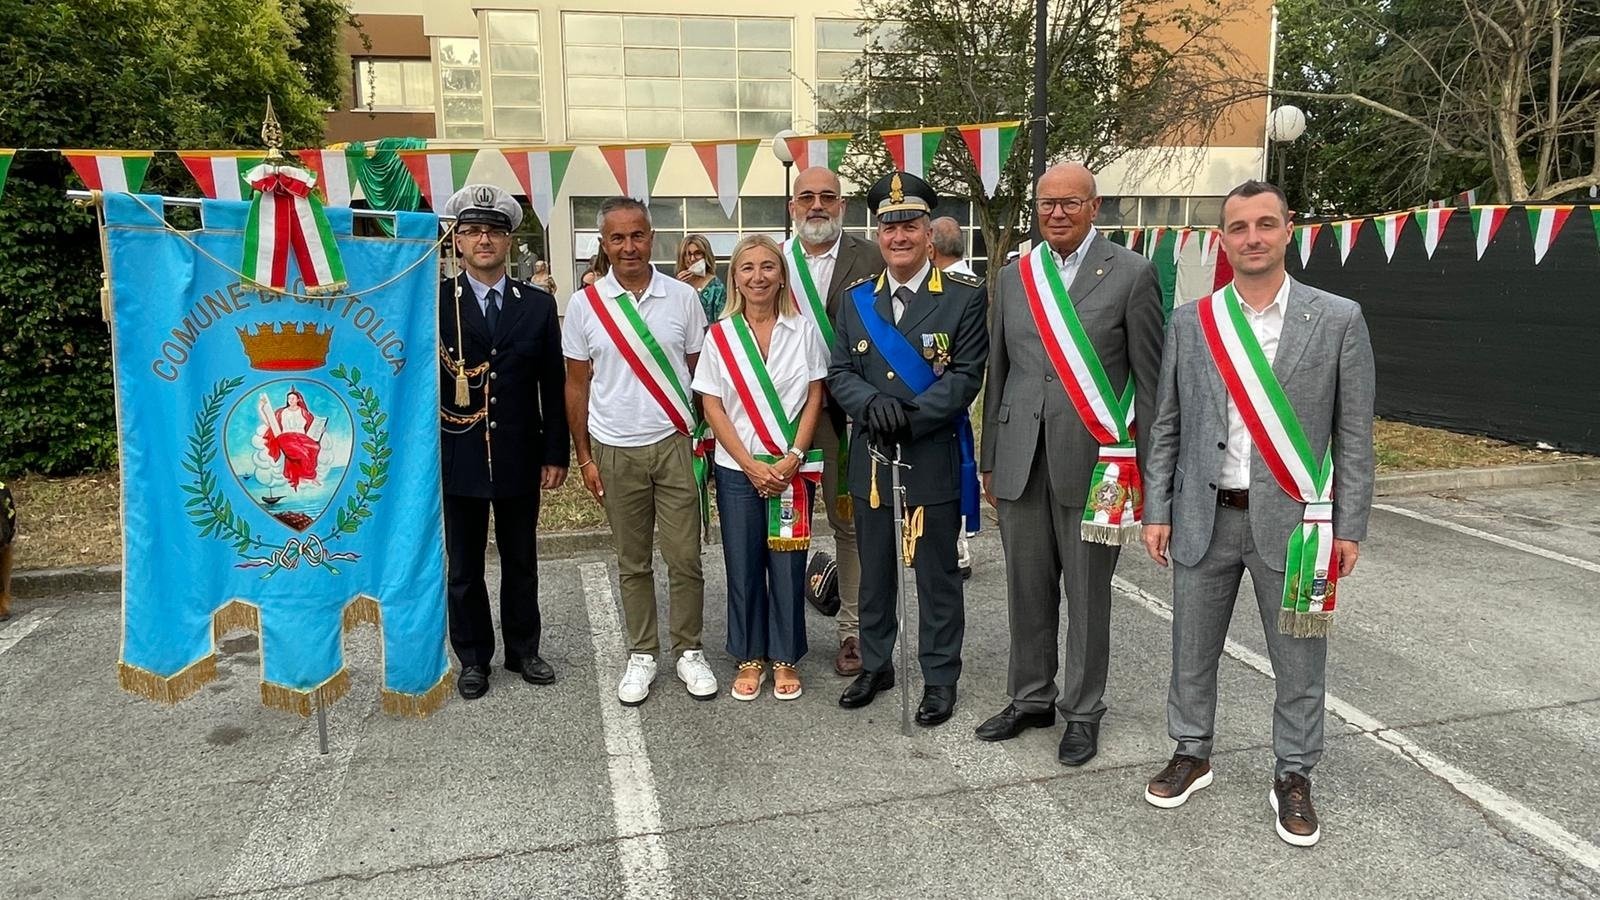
909 360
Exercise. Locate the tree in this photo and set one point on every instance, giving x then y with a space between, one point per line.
121 74
1503 93
1150 74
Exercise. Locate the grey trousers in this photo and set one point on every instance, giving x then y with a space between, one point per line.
1202 605
1042 543
941 597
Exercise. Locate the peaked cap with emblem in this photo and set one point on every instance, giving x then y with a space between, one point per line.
901 197
484 204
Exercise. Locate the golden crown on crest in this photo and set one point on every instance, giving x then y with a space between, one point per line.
286 346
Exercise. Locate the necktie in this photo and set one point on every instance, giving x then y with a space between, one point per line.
902 299
491 309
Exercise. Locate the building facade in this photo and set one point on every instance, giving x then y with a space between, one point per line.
573 72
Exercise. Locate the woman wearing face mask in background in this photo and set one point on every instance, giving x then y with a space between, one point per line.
697 266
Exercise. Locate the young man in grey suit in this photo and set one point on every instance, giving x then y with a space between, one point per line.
1265 408
832 261
1040 452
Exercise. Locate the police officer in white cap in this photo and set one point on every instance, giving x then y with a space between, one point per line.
503 417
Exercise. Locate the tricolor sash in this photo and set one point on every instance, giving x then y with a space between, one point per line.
1310 573
814 306
789 513
1115 506
917 373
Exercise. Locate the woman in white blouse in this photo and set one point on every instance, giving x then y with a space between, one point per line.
761 377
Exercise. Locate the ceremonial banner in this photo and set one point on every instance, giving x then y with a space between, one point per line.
636 167
990 146
913 148
540 172
220 173
280 459
335 171
727 162
110 170
1545 223
826 150
438 173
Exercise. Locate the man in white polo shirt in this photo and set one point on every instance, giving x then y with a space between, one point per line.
631 341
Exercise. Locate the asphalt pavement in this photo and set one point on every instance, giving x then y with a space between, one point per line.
1464 720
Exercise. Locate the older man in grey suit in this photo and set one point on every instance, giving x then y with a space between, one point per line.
1232 476
1041 451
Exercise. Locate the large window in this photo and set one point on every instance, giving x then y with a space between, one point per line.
516 86
461 87
682 77
394 85
840 43
674 217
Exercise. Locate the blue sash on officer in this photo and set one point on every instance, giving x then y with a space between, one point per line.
918 375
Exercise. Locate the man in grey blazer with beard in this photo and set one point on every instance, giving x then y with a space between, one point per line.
1215 507
1038 456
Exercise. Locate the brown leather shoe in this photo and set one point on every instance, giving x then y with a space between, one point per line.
1183 776
1291 803
848 662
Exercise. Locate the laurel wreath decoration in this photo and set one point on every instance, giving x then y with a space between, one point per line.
209 508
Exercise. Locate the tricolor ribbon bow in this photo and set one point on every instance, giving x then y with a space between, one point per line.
286 218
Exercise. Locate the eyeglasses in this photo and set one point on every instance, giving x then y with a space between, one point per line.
1069 205
473 232
827 198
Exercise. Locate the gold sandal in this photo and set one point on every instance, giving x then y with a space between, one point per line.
744 687
785 675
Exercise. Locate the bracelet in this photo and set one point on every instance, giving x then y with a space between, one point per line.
585 465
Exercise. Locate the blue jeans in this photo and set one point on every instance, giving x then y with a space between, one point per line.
766 588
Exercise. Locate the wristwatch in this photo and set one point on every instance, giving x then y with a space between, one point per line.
798 453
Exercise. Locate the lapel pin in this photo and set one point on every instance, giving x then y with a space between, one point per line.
1099 271
1306 316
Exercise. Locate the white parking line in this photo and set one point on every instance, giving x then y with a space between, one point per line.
1583 564
641 849
13 632
1489 798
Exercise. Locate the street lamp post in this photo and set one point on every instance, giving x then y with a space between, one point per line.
1285 125
1041 105
780 149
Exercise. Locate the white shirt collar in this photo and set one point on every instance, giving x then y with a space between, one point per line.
1075 258
609 287
481 290
1278 306
831 253
915 284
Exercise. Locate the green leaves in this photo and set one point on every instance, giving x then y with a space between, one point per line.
375 472
207 506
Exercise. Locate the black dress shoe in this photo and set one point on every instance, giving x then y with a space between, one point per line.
473 683
1079 743
534 669
938 701
866 686
1010 722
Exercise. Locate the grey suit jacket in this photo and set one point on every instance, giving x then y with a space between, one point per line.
1118 299
1324 362
858 258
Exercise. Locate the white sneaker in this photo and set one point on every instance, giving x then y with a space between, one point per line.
696 674
634 688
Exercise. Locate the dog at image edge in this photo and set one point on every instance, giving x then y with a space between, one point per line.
8 531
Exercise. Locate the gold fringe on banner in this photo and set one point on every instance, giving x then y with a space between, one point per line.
289 700
419 706
362 611
780 545
235 614
168 690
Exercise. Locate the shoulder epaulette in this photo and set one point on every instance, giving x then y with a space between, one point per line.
964 278
858 282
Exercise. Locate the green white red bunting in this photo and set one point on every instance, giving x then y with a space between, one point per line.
111 170
825 150
1432 221
220 174
1131 238
439 173
1346 233
5 166
1389 228
913 148
540 171
990 145
1486 221
728 163
636 167
336 174
1305 238
1545 223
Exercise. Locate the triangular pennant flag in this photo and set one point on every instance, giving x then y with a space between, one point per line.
111 170
1545 222
727 162
335 171
5 166
913 148
990 145
1432 222
540 171
1485 222
439 173
1346 232
1152 242
220 173
636 167
1211 242
1306 237
1593 211
826 150
1389 232
1467 198
1132 239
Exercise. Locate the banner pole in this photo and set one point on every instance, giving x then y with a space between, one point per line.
89 197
